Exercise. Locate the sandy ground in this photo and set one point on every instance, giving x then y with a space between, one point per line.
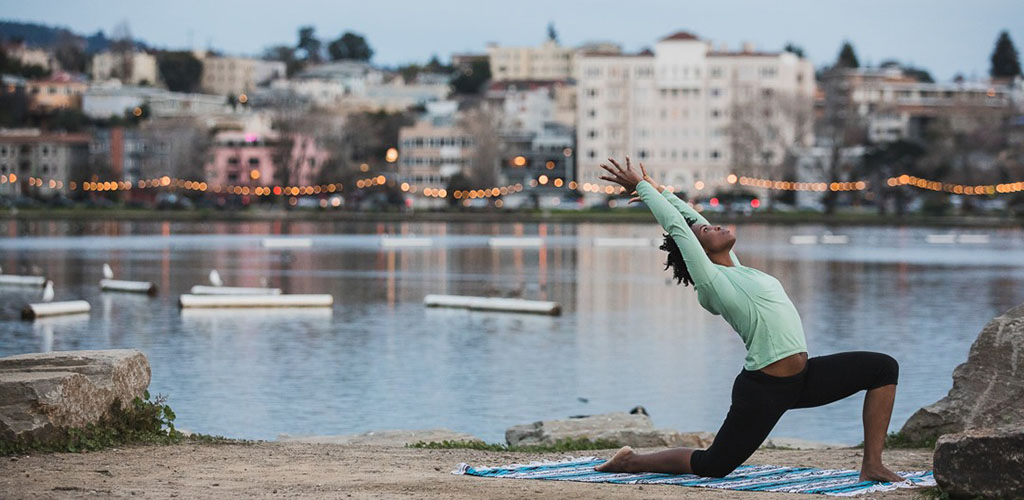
295 470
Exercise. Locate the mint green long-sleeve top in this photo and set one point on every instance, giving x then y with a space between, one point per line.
753 302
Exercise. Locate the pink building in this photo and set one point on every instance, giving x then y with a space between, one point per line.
250 159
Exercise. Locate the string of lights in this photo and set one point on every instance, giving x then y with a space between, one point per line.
497 191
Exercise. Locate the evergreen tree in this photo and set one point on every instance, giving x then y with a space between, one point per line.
847 57
309 44
350 46
1005 60
180 70
794 49
552 34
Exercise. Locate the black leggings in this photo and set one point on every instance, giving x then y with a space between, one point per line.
759 400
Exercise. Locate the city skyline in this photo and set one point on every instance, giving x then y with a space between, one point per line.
818 29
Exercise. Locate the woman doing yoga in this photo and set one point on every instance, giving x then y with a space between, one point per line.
777 375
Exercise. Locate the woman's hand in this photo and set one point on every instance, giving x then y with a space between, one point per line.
650 180
625 177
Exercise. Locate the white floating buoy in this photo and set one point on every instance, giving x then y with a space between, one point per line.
215 278
803 239
11 279
33 311
623 242
493 304
111 285
941 239
233 290
406 242
835 239
287 242
973 239
515 242
287 300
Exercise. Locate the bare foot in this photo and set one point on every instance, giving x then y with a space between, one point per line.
618 461
879 473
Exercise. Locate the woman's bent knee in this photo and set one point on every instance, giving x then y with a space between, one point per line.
705 465
888 371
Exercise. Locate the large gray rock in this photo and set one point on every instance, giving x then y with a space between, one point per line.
981 463
987 389
387 438
622 428
40 394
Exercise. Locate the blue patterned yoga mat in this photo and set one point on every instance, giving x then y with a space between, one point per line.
745 478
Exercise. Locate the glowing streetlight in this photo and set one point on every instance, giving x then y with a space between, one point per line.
391 156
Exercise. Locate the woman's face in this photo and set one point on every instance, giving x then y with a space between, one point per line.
714 239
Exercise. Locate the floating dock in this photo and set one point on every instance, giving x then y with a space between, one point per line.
43 309
493 304
286 300
145 287
233 290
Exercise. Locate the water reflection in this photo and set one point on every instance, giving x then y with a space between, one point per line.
379 359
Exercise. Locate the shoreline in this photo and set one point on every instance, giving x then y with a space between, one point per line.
274 470
533 216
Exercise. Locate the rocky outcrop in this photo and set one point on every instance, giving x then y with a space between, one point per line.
621 428
41 394
987 389
986 463
396 438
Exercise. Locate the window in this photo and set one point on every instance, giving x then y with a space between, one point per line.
233 160
716 72
715 154
254 161
592 113
592 133
591 154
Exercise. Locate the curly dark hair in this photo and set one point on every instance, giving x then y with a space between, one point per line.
675 258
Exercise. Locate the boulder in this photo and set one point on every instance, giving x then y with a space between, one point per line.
987 463
623 428
987 389
43 393
395 438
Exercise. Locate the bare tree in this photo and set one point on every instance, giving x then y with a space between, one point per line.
840 127
123 48
482 124
764 128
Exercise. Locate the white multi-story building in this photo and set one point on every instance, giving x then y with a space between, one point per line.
238 75
691 114
132 68
894 105
108 99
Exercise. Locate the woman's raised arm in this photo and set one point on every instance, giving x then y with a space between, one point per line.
702 270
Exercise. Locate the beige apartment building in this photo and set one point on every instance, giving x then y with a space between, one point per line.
238 75
131 68
690 112
434 148
549 61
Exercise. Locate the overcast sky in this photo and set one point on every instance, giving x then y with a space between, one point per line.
943 36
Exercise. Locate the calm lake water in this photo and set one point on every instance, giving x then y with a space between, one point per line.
380 360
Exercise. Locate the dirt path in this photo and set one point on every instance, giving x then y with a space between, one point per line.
293 470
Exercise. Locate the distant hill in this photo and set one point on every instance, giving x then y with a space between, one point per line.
40 35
